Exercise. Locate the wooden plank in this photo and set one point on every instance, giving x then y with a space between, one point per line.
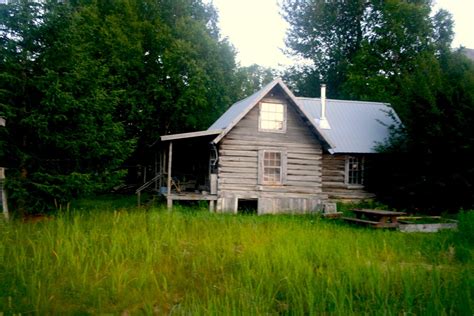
291 189
378 212
190 135
335 184
371 223
169 202
333 173
303 183
237 181
291 127
241 194
235 187
348 196
232 188
237 153
238 175
237 158
334 157
257 194
238 164
272 137
303 178
304 172
307 168
304 162
237 170
192 197
284 166
329 169
213 184
259 141
359 221
255 146
294 155
333 179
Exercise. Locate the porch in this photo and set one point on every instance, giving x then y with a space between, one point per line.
188 167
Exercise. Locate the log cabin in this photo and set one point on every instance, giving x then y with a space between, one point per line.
277 153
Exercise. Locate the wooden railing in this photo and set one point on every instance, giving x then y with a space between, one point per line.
145 186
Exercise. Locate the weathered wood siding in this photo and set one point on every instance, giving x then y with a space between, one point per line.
333 172
238 166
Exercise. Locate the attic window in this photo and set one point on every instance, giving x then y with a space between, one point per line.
272 117
355 170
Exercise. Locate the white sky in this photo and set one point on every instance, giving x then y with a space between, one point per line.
257 30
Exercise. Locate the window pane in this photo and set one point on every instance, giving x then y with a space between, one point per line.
272 167
355 170
272 116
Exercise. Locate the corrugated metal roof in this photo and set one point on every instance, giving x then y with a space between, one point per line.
238 110
356 126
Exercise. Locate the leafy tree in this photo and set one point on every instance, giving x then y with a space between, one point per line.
61 138
88 85
359 48
431 155
252 78
395 51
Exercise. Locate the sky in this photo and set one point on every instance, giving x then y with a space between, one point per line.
257 30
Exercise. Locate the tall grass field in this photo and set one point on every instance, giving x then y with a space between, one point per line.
130 261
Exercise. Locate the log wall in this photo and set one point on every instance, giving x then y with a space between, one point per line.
333 177
238 166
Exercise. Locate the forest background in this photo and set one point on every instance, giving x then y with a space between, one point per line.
88 87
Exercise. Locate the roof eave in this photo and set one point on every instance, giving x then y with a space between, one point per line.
263 93
189 135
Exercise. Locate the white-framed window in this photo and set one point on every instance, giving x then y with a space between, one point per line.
272 167
355 170
272 117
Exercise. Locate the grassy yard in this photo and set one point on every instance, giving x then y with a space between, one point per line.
99 259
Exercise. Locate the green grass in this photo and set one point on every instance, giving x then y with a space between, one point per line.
112 259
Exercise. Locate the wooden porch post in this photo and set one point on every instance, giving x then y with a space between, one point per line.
169 201
3 194
156 171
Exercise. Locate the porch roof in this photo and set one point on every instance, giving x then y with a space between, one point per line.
191 134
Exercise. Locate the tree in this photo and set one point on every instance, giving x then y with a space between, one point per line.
62 140
432 165
359 48
395 51
252 78
88 85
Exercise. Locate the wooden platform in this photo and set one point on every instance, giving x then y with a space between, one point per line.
191 197
376 218
332 215
212 198
375 224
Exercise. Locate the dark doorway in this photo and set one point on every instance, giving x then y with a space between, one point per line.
247 206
